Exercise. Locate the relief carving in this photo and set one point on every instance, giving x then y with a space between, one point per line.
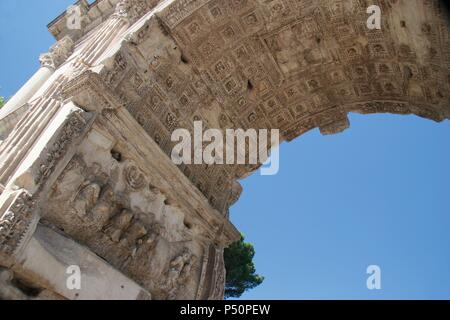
134 236
15 222
101 208
57 54
237 59
150 239
71 130
104 208
179 272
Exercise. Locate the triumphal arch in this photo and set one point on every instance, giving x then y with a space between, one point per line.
86 179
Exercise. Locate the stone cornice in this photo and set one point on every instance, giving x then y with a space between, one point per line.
88 86
16 222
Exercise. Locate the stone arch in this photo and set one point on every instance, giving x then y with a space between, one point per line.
281 64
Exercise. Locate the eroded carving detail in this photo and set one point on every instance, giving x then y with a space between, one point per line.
8 291
285 65
135 178
290 65
15 222
179 272
218 291
71 130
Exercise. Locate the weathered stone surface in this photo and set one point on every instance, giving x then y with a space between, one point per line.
85 174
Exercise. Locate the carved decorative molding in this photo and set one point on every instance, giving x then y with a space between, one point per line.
15 222
131 10
73 129
58 53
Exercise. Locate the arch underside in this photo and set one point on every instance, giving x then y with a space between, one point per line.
281 64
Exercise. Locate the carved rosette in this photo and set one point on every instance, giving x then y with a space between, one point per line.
134 177
131 10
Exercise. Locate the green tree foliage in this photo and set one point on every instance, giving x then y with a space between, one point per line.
241 271
2 101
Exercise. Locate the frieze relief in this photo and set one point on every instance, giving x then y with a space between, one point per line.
117 213
8 290
15 223
213 275
73 129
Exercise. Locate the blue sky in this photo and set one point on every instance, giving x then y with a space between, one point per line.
375 194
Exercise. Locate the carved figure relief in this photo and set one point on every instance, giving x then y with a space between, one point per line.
178 273
118 225
58 53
